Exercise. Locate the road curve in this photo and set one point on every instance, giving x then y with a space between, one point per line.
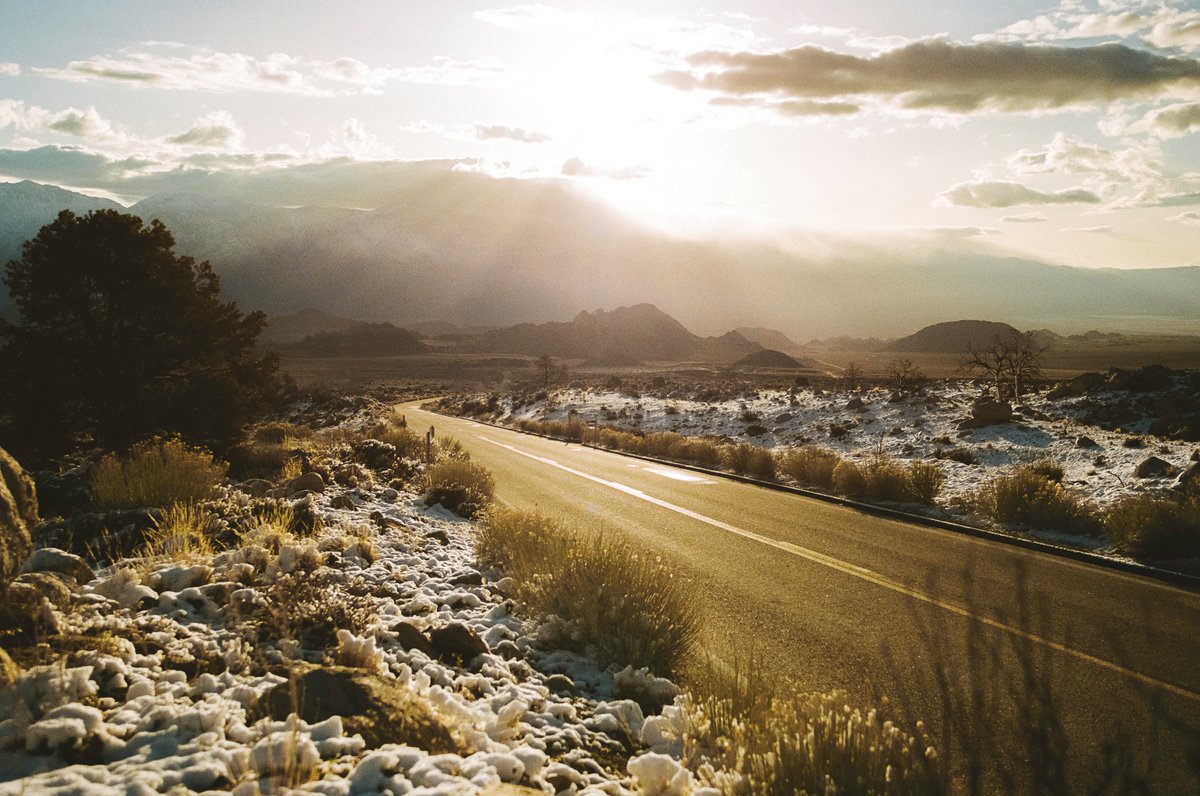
835 598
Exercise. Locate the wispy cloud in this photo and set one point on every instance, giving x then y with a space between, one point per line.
10 69
577 167
937 75
169 65
1189 217
1167 25
492 131
1010 194
216 129
1025 218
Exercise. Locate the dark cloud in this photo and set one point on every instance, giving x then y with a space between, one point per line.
206 135
1010 194
488 132
941 75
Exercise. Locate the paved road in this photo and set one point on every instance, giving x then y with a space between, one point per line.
835 598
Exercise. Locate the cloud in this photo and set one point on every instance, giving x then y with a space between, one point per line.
657 34
10 69
944 76
493 131
790 107
1190 217
1025 218
576 167
1010 194
1161 24
1138 165
443 71
216 130
1171 121
83 124
963 232
1102 230
169 65
86 124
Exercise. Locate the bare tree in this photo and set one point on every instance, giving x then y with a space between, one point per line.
904 374
1010 361
549 371
851 376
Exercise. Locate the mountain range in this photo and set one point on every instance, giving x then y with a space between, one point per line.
436 244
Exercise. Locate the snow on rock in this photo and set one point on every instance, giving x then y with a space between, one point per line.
660 775
176 697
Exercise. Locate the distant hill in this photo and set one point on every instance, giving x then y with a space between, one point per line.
768 358
768 338
296 326
388 241
364 339
639 333
953 337
26 207
446 329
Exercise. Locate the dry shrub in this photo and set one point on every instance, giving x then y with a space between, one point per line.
309 607
1051 471
282 434
184 531
1154 527
746 459
924 481
1027 497
407 442
460 486
810 466
157 472
631 609
745 734
849 479
886 479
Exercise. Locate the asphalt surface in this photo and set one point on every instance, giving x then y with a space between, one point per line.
971 636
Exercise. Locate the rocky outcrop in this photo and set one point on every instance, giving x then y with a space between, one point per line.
988 412
1154 467
18 516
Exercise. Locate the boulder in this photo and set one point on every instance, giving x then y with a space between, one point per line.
1154 467
1188 478
410 638
307 482
1080 385
254 487
988 412
25 593
51 559
1085 442
855 403
18 516
343 502
380 710
456 641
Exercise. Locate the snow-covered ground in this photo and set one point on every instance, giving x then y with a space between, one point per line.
916 427
168 698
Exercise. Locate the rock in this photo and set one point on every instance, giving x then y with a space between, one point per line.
178 578
381 711
987 412
506 789
1154 467
9 670
390 495
18 516
438 536
344 502
254 487
469 577
1188 478
51 559
28 590
560 684
307 482
1080 385
854 403
456 641
410 638
1085 442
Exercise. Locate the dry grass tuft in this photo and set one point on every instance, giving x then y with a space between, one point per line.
460 486
1154 527
810 466
1027 497
630 608
183 532
747 735
157 472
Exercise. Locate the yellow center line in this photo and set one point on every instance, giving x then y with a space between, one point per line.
862 573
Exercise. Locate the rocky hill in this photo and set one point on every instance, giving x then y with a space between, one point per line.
768 358
641 333
953 337
364 339
295 326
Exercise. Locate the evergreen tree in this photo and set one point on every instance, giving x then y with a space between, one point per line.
119 338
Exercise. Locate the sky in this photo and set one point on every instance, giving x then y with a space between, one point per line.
1068 132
